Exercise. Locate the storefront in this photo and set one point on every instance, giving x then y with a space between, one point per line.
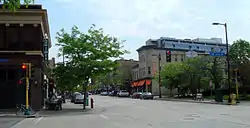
142 85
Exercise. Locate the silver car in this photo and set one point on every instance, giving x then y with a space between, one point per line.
79 99
123 93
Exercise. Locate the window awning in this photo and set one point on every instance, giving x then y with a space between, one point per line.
134 84
148 82
141 83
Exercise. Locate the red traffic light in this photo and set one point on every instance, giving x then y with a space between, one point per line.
20 82
168 52
23 66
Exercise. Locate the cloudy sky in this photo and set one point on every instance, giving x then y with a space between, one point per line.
138 20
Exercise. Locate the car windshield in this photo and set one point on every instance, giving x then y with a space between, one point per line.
123 91
79 97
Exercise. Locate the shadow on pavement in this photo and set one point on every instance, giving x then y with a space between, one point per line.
67 109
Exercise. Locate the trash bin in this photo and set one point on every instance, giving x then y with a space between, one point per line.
233 98
218 96
87 99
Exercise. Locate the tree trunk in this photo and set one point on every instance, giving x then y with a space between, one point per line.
85 95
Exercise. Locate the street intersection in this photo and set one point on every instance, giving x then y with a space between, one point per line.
114 112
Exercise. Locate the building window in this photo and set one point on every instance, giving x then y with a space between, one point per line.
190 47
149 70
175 59
173 45
198 47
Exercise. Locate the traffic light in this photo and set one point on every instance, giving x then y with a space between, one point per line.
168 56
24 70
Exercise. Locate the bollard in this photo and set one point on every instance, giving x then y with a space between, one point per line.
92 102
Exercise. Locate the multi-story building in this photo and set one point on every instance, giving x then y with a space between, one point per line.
125 70
178 49
24 37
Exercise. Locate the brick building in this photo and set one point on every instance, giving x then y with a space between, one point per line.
22 37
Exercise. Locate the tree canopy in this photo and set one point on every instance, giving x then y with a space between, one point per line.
239 52
194 73
12 5
88 55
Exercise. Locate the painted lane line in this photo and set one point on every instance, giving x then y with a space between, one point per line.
38 120
105 117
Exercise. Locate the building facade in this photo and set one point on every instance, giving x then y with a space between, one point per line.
180 49
22 38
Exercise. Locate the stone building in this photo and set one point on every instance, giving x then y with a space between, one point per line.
179 50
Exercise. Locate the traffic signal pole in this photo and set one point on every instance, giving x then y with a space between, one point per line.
27 77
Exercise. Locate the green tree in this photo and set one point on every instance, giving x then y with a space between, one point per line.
89 54
239 52
12 5
195 73
171 75
216 70
65 77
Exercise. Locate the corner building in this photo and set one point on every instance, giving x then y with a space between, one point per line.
22 37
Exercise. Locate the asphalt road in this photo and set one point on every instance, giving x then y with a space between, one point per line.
113 112
7 122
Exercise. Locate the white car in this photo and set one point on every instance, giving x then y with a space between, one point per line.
123 93
79 99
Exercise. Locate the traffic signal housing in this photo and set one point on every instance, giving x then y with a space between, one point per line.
168 56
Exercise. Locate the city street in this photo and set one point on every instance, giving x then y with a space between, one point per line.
114 112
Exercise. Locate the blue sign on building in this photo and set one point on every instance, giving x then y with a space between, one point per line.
4 60
217 54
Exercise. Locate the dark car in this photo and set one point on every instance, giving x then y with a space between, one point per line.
146 95
136 95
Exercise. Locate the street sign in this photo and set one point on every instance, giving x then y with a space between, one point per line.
191 54
217 54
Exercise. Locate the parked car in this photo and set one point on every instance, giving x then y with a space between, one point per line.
136 95
79 99
74 96
104 93
123 93
146 95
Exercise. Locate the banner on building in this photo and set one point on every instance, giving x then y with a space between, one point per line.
154 68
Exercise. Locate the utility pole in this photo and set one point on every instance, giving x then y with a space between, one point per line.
228 62
159 74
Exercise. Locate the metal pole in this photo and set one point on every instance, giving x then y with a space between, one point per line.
228 63
159 74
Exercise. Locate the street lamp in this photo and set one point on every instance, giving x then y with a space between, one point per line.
159 74
228 63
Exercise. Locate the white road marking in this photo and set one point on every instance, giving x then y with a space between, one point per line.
38 120
105 117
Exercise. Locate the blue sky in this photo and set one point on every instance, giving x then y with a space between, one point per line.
138 20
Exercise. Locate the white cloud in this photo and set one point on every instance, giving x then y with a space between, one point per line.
139 20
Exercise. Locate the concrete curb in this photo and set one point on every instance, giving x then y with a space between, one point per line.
18 116
189 101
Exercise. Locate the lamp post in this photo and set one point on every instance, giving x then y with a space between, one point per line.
159 74
228 63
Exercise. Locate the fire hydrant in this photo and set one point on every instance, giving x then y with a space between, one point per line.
92 102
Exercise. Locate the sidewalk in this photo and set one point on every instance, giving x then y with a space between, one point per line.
205 101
